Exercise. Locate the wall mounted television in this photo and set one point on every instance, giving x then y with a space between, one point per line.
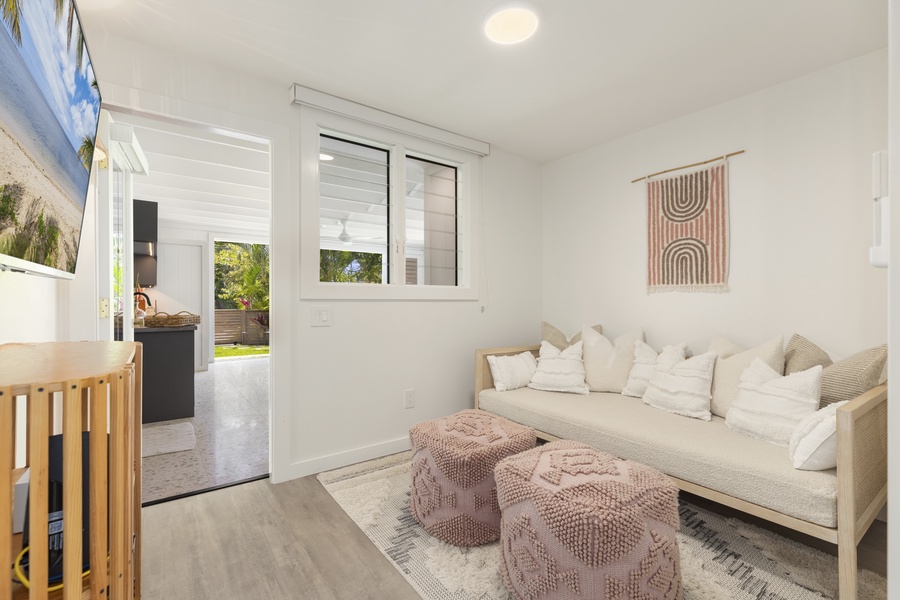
49 109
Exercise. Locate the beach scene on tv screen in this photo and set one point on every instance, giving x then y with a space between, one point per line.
49 105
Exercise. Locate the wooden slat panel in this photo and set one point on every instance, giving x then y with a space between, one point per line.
7 458
117 510
38 552
98 494
136 418
72 491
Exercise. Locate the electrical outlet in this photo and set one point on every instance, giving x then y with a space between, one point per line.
104 308
409 399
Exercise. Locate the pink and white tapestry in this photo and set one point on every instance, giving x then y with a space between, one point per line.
687 232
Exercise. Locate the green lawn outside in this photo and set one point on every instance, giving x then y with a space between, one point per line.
238 350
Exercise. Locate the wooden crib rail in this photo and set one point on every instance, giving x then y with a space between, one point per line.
105 404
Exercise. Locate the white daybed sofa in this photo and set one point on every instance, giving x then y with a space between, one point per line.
710 460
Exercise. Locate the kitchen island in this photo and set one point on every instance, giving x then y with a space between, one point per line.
168 372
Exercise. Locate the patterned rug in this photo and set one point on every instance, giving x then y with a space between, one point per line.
721 558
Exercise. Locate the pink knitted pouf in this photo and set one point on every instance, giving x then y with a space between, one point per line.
578 523
454 496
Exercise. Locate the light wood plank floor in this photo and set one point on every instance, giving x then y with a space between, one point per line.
291 541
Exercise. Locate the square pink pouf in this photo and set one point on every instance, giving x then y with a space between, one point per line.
454 496
578 523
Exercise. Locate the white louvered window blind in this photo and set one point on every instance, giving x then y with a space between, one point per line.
389 207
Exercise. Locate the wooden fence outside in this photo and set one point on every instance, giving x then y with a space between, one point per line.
234 326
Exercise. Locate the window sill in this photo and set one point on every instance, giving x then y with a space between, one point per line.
375 292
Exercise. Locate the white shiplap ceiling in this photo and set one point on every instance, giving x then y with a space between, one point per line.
595 71
203 179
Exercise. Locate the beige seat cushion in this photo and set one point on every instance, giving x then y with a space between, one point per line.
706 453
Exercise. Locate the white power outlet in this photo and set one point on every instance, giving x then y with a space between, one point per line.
409 399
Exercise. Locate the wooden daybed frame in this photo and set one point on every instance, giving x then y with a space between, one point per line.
861 472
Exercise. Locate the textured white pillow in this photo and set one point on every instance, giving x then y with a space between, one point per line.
560 370
607 364
769 405
682 386
512 372
813 445
732 362
644 367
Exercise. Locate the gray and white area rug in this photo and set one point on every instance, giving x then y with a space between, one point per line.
721 558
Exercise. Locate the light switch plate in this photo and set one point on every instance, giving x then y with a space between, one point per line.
320 316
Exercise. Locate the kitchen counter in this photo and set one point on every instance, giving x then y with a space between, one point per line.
168 372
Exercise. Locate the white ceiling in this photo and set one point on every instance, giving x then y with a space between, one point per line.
203 179
596 70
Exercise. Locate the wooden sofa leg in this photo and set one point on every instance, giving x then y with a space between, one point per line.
847 570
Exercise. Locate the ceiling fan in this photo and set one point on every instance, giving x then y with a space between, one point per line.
345 238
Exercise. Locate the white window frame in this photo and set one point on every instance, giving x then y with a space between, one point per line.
321 113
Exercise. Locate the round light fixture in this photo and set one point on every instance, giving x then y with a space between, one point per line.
510 23
323 156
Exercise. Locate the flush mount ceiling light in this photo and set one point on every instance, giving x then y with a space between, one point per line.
510 23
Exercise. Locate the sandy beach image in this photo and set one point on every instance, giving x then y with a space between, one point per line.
46 112
34 193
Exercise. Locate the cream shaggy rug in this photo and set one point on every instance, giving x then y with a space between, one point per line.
164 439
721 558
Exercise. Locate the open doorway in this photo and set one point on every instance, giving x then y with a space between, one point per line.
209 184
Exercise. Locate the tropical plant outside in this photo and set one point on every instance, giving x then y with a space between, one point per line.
242 275
347 266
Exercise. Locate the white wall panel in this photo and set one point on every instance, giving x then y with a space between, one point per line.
180 287
800 220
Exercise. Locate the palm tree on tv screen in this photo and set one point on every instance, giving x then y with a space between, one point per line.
11 16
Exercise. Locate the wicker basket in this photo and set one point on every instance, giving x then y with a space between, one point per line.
166 320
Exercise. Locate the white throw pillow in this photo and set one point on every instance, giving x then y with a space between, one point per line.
769 405
682 386
732 362
644 367
560 370
607 364
512 372
813 445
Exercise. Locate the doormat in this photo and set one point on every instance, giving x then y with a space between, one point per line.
165 439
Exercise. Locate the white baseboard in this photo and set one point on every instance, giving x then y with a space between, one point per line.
341 459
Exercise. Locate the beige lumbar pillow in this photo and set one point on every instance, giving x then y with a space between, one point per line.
732 361
801 354
770 405
681 386
551 334
607 364
560 370
512 372
843 380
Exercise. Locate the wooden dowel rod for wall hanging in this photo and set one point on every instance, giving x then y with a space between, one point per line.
697 164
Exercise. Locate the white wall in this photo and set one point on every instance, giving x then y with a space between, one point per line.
29 308
893 546
338 391
800 202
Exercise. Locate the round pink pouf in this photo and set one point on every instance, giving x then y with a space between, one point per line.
578 523
454 496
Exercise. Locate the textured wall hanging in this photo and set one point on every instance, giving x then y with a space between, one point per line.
687 232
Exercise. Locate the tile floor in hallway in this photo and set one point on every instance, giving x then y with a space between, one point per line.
231 424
